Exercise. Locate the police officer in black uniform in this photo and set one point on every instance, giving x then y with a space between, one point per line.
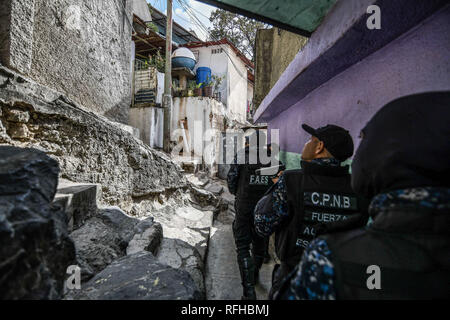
402 165
304 200
248 186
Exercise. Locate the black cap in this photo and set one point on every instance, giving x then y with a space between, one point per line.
336 140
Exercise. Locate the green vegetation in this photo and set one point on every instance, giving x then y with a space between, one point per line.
158 61
240 30
153 27
217 81
192 85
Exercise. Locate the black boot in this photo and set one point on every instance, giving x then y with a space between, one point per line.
247 269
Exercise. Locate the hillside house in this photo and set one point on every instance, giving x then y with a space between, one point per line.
197 123
148 52
225 60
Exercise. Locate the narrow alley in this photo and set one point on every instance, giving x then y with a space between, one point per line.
155 149
222 279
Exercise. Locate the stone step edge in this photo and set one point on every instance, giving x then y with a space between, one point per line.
79 200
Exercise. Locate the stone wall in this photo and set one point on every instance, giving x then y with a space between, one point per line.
16 33
286 45
263 71
5 18
275 49
80 48
88 147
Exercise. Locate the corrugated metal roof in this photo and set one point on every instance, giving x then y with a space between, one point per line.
179 34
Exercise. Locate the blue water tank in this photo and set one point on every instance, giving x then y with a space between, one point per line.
203 75
183 57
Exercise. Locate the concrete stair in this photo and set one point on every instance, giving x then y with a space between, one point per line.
79 201
186 227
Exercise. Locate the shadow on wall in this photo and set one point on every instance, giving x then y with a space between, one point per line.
120 111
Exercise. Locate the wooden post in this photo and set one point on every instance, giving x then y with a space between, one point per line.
167 98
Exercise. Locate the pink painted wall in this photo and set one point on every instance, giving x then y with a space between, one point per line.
417 61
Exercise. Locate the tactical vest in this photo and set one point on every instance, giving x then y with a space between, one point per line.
316 195
251 186
408 249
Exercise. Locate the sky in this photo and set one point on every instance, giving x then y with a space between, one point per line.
202 12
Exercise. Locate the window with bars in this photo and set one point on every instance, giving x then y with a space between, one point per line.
216 51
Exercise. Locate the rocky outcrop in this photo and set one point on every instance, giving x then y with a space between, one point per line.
110 235
97 246
88 147
148 236
35 249
139 276
114 249
214 188
80 48
186 219
181 255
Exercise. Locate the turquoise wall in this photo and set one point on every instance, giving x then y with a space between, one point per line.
292 160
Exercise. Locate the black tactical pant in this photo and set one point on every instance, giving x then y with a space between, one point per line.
279 274
245 237
250 248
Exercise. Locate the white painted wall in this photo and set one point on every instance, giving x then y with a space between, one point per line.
237 88
159 87
234 86
204 120
140 8
150 123
133 55
216 62
250 93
